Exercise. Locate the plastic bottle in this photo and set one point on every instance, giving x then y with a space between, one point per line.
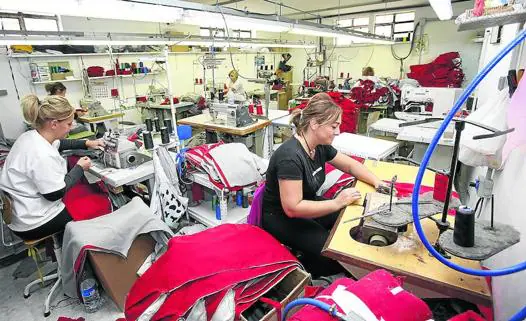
89 290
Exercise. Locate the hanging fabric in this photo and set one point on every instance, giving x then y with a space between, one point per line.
167 200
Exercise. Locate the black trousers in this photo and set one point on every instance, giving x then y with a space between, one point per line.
57 224
307 236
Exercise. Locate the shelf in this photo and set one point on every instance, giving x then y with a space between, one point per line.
483 22
204 214
52 81
95 54
127 76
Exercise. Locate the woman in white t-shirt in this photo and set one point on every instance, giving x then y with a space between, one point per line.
35 175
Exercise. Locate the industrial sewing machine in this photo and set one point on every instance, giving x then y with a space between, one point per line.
93 106
231 115
429 101
119 152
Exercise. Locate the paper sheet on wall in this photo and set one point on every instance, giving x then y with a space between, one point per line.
517 120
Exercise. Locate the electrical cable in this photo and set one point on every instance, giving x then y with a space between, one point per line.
401 59
228 41
432 146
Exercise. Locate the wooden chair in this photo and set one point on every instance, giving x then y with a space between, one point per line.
31 247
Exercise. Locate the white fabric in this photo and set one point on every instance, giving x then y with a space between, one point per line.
244 169
486 152
32 168
168 201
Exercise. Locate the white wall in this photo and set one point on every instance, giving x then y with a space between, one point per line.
11 118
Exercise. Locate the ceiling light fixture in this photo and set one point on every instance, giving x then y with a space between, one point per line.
443 9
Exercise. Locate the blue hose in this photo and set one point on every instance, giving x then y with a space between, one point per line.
319 304
510 270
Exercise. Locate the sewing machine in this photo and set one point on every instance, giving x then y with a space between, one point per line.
429 101
93 106
231 115
119 152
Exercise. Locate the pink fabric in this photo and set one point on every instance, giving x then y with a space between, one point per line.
211 270
517 120
467 316
256 209
380 291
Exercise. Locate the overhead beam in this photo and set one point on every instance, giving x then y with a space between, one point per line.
350 6
224 3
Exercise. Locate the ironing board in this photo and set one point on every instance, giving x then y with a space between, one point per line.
363 146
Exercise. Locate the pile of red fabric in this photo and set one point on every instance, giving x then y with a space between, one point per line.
366 93
238 258
444 71
377 296
350 111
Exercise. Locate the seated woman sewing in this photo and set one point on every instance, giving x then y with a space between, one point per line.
291 211
35 174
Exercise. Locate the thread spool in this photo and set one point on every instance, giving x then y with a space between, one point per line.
157 124
165 136
147 139
440 188
149 124
239 198
464 231
251 108
168 125
259 109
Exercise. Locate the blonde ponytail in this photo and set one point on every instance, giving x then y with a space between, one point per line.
37 112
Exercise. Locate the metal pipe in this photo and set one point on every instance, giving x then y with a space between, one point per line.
170 96
290 7
459 127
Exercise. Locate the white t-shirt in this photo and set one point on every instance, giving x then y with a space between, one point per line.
236 91
32 168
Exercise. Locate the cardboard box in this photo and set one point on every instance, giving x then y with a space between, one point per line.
117 274
294 284
60 75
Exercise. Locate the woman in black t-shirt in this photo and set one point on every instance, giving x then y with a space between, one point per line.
292 213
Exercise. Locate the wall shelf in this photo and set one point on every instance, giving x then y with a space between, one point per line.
492 21
128 76
52 81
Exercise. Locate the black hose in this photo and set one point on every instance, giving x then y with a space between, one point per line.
401 59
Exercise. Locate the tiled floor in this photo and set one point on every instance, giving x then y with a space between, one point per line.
14 307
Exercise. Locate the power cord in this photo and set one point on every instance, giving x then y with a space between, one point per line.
401 59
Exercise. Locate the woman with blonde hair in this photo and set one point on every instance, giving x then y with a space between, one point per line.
292 212
235 90
35 174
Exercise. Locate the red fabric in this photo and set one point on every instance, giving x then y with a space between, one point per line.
211 270
375 290
70 319
367 93
343 181
467 316
406 190
350 112
84 202
444 71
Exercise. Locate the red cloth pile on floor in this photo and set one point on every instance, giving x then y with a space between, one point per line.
208 265
350 111
377 296
444 71
367 93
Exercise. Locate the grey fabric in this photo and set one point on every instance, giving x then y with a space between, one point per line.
112 233
67 144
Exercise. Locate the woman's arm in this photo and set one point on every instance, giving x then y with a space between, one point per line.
291 195
348 165
68 144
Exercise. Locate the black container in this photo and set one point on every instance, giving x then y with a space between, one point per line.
149 124
464 232
221 96
165 136
168 125
147 139
157 124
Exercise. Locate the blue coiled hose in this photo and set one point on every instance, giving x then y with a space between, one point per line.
319 304
521 315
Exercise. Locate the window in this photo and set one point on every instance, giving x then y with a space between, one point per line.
28 22
358 24
396 25
9 24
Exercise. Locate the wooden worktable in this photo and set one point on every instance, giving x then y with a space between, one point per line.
407 257
85 119
204 121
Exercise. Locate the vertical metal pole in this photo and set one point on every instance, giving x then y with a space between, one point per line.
170 96
459 127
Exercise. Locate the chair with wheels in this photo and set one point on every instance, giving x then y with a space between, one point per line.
31 246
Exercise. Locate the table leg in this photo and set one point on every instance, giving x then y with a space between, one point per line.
150 183
258 141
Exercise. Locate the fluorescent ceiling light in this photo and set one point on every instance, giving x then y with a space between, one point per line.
443 9
10 40
215 20
318 32
105 9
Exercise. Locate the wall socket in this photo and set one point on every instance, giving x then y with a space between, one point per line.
3 92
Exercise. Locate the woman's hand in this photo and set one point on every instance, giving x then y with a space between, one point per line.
93 144
84 162
348 196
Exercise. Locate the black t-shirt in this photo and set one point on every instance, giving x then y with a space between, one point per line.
291 161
